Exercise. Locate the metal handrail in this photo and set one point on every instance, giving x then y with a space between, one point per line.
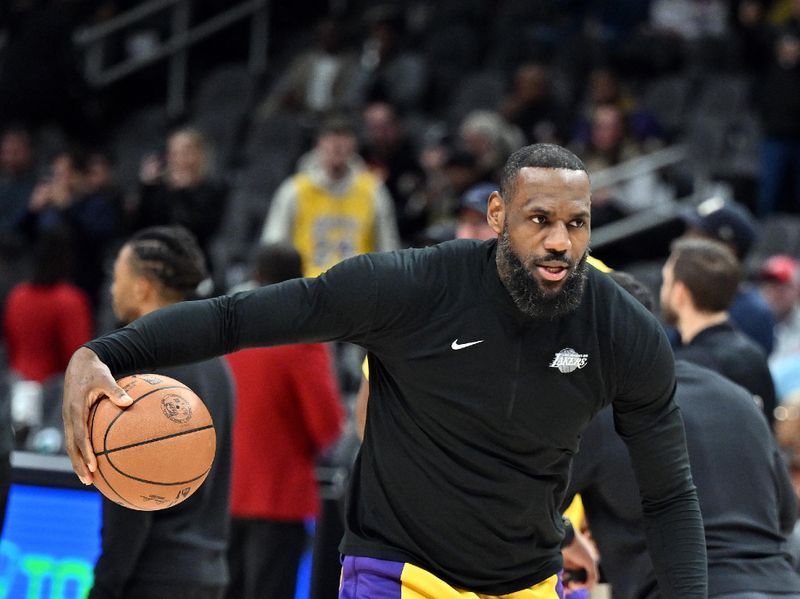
88 35
175 49
178 42
640 165
638 222
645 219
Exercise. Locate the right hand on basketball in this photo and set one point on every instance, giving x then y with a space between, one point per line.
86 381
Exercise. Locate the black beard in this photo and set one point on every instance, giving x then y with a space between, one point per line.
528 294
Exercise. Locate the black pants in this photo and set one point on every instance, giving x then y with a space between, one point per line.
5 486
159 590
759 595
263 557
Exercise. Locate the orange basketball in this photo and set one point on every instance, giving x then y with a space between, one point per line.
158 451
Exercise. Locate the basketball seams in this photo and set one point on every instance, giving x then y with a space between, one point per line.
135 401
155 439
155 482
113 490
167 437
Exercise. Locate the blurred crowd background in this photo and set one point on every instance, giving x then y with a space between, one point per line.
121 114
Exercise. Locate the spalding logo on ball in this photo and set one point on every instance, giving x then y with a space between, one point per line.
158 451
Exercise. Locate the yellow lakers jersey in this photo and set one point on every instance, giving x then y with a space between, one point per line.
329 228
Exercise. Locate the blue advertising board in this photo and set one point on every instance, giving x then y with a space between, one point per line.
51 536
50 543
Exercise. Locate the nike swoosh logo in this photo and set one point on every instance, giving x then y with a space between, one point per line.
456 345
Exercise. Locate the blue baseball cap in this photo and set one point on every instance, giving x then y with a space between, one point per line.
477 197
724 221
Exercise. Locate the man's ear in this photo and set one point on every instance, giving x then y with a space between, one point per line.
496 212
143 289
681 295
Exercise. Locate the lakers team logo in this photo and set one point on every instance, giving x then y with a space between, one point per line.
568 360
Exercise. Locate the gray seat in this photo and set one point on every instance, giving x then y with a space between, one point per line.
706 138
722 95
778 234
666 98
740 153
479 91
142 133
228 88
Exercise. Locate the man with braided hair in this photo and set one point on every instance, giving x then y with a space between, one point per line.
180 552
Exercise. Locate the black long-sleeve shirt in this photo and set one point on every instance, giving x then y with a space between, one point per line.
745 493
475 409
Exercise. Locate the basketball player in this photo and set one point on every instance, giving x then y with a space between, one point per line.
487 360
180 551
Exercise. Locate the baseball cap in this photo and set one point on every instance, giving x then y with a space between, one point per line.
477 197
725 221
779 269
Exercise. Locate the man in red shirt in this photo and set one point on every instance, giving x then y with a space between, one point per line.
288 410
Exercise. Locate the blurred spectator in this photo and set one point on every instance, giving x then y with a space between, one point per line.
461 171
753 32
45 319
182 190
689 19
319 80
609 144
520 30
613 24
677 34
468 220
332 208
532 106
779 279
787 432
388 71
746 526
604 88
490 139
65 200
292 391
700 280
779 107
390 155
434 200
779 282
272 262
734 226
100 176
609 141
472 223
17 178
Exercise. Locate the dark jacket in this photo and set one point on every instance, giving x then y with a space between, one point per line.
726 350
185 543
745 493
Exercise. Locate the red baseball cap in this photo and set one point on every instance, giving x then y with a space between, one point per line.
779 269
